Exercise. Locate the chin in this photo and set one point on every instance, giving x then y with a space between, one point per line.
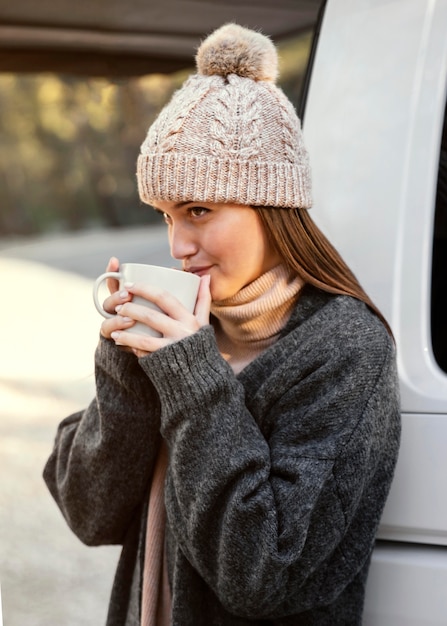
215 297
218 294
221 294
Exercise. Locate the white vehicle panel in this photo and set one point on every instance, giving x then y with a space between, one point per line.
407 587
373 121
416 510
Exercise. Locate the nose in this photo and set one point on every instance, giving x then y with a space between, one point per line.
182 241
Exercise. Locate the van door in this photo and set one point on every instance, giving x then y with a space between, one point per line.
374 119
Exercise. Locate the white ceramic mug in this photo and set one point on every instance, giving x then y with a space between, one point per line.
183 285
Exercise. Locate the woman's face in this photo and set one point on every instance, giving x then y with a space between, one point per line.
223 240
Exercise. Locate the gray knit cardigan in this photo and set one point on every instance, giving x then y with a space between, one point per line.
277 476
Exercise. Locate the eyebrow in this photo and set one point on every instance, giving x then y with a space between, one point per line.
177 205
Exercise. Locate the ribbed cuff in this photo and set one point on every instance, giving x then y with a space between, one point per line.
187 374
180 177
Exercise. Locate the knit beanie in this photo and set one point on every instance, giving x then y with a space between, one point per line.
229 134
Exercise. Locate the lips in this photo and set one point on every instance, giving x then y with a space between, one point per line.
199 270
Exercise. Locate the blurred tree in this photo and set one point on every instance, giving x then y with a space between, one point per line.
68 149
68 145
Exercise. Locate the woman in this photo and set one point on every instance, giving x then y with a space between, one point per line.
243 459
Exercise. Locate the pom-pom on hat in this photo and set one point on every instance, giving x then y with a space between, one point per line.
236 50
229 134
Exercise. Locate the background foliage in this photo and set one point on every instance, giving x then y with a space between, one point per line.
68 146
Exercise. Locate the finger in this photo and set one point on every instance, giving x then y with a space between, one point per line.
164 300
113 266
203 304
114 324
115 300
169 328
139 344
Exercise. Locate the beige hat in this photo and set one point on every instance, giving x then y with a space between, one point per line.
229 134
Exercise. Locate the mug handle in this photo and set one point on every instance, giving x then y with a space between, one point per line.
98 282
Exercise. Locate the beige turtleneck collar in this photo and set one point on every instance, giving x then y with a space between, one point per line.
251 320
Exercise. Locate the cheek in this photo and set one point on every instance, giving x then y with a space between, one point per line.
221 245
235 256
248 245
239 246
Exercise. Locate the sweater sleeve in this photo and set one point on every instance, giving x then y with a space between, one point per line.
102 460
260 512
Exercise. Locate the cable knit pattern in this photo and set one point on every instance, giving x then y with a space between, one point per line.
227 137
235 127
252 320
162 134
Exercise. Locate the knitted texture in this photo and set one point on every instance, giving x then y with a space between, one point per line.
276 477
229 134
251 321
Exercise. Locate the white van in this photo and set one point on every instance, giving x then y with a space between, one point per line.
375 115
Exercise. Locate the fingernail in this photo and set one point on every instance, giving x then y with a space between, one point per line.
127 319
123 294
128 285
118 308
115 334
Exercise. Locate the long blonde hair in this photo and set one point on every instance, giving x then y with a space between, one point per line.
307 252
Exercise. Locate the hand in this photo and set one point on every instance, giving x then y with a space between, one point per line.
111 303
174 322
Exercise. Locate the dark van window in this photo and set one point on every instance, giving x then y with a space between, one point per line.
439 269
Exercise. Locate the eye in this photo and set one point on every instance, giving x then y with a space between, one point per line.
197 211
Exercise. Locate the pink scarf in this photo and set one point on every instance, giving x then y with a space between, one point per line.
156 595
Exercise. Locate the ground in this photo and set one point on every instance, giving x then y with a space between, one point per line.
49 331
